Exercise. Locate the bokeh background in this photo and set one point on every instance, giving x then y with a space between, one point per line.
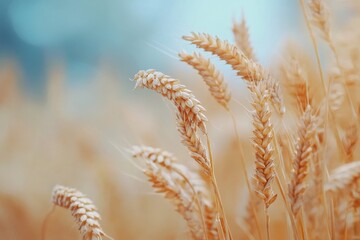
68 110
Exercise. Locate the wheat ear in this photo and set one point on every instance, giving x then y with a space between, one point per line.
189 111
320 18
303 152
349 141
171 88
183 187
296 81
82 209
242 38
245 68
193 143
262 141
343 177
212 77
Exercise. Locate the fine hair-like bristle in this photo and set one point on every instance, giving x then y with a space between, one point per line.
212 77
82 209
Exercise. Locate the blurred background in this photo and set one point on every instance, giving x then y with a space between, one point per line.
83 33
68 110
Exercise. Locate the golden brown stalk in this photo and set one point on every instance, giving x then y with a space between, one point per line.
349 141
82 209
343 177
262 141
303 152
245 68
213 78
242 38
170 88
320 18
186 189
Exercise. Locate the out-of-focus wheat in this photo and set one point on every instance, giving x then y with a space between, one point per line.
242 38
303 153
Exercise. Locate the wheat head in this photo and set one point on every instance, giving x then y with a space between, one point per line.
303 153
170 88
82 209
242 38
213 78
244 67
262 141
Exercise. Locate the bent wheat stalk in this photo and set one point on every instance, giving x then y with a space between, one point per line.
171 88
190 116
190 113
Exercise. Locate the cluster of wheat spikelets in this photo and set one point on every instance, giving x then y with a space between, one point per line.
297 158
311 169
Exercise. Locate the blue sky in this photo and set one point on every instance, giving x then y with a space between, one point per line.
83 32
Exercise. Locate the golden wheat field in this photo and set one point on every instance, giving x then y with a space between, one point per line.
187 153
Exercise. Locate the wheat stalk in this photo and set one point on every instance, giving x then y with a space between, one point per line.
242 38
245 68
262 141
82 209
213 78
303 152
